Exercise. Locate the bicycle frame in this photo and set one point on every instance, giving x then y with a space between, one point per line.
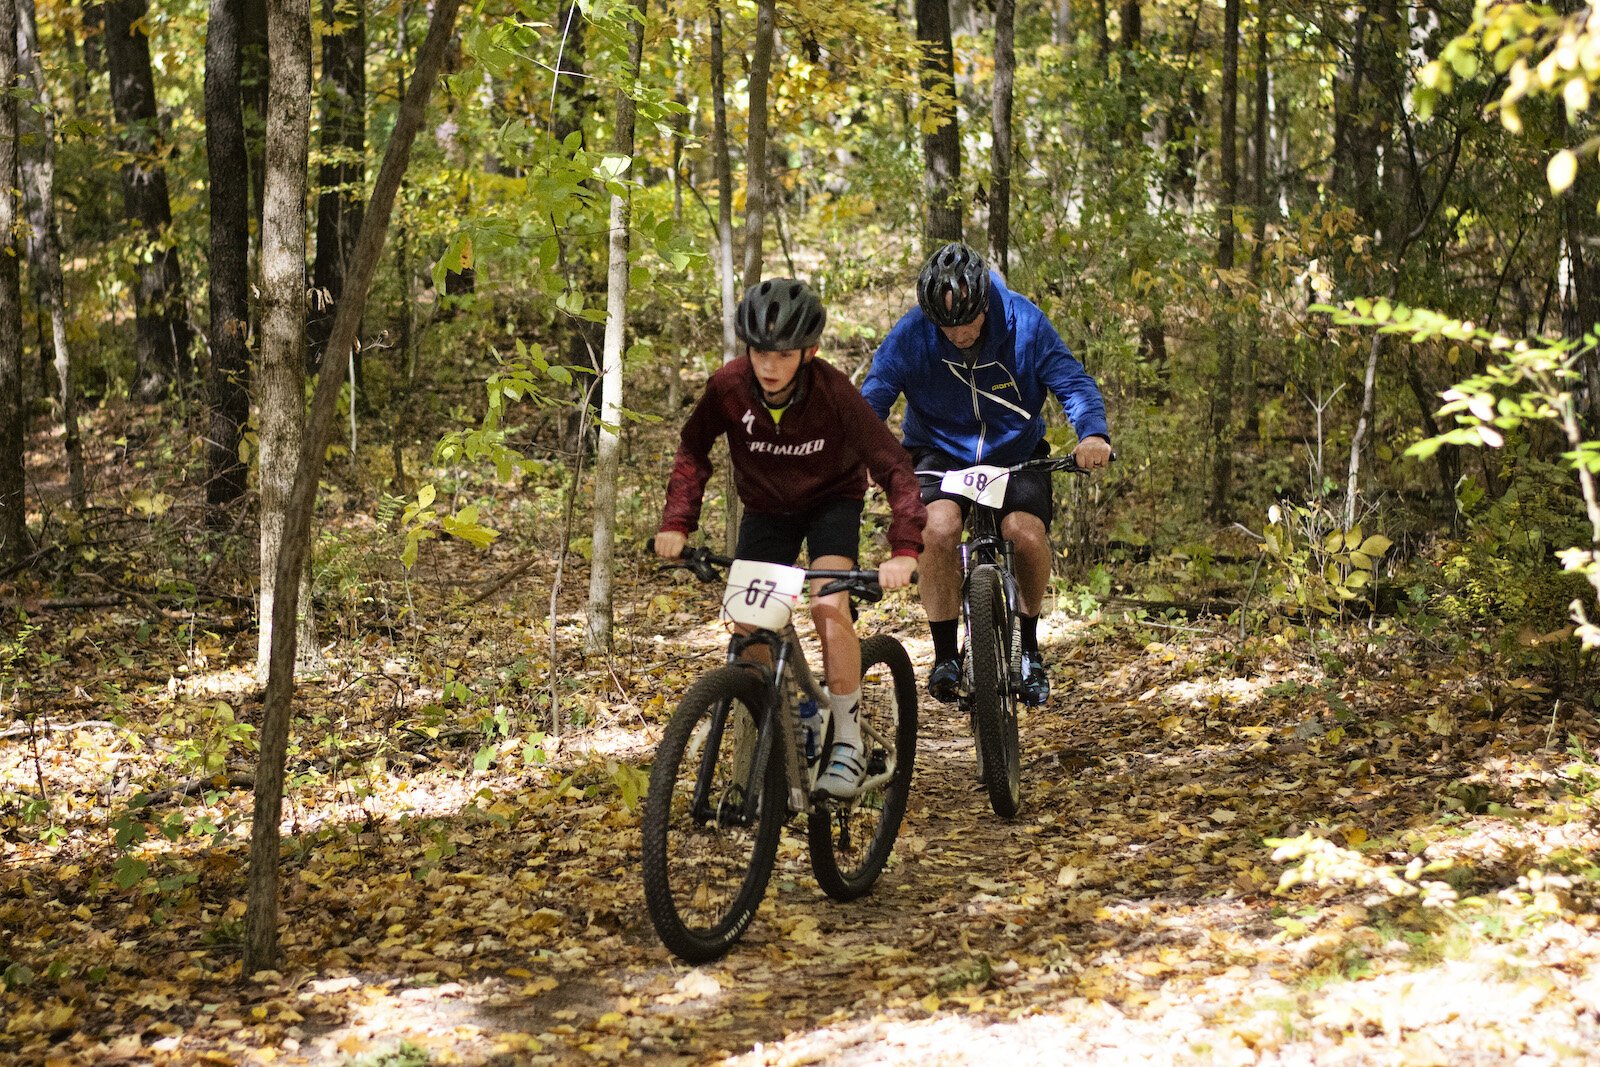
984 544
780 717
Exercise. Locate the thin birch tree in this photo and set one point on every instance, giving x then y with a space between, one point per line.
13 516
609 446
281 381
725 267
38 166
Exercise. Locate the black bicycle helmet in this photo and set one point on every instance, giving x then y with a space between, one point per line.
959 273
779 315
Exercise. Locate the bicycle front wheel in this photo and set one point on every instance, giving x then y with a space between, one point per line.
708 851
994 701
851 840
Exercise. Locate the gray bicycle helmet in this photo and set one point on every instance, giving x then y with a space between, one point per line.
957 272
779 315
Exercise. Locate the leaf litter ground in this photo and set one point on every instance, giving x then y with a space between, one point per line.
457 889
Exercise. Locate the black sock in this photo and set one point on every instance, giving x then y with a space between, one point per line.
946 636
1030 633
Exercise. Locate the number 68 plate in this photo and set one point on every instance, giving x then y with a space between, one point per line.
761 594
985 484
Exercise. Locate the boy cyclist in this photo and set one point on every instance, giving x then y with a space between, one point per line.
802 441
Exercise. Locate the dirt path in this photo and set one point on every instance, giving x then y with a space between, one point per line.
1125 917
1129 915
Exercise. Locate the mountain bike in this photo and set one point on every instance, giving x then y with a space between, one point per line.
991 653
732 764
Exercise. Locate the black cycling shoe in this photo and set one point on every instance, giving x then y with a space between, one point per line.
944 680
1035 682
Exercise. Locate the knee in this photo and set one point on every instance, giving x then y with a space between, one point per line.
1026 531
943 531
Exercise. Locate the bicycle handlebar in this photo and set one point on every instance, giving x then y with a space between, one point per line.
1068 463
705 564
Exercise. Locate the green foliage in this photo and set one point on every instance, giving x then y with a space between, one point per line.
1318 566
1505 565
1526 385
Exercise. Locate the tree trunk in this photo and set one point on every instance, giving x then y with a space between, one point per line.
229 265
1222 397
1258 232
730 289
1102 37
756 184
13 514
608 453
941 148
582 340
1005 66
281 383
261 913
1128 41
341 177
254 73
38 163
162 319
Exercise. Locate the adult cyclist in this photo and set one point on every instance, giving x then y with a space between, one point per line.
975 361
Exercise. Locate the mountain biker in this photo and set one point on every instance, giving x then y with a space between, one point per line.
801 440
975 360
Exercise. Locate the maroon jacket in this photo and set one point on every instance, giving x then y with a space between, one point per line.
821 451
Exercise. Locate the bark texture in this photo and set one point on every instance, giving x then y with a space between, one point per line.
261 912
340 178
941 147
13 516
281 381
609 449
228 385
162 317
38 166
1222 396
756 178
1005 69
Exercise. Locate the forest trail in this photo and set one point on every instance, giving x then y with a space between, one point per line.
447 906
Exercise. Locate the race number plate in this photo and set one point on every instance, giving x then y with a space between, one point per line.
761 594
986 485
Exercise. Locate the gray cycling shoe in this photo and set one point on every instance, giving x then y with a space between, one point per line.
842 779
1035 682
944 681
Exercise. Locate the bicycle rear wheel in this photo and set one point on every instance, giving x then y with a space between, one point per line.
706 864
994 701
851 840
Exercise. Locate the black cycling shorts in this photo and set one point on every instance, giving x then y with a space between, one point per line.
1027 491
832 529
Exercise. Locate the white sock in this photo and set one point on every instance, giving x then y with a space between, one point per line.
845 726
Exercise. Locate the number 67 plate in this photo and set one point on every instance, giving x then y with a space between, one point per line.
985 484
761 594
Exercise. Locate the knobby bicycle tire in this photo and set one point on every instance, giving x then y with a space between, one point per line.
994 702
704 872
851 841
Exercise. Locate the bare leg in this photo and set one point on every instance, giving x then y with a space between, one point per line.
841 651
1027 533
939 568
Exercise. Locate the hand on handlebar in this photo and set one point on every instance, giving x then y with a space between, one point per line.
1092 453
897 572
669 544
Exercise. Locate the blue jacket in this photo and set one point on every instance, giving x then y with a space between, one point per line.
989 412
